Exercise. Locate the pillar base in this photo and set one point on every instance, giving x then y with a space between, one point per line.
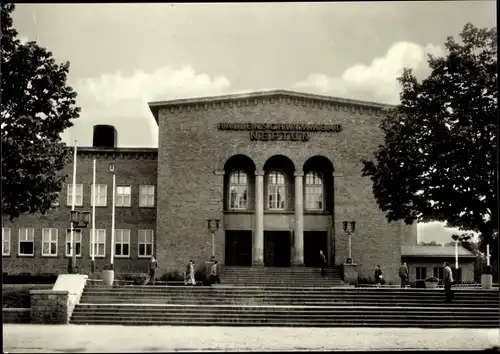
350 273
258 264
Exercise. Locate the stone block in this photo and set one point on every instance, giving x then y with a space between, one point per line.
350 273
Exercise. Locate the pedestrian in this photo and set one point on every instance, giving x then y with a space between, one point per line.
403 273
153 265
322 262
447 282
191 279
214 273
378 276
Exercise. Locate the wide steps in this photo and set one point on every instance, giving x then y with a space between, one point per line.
286 306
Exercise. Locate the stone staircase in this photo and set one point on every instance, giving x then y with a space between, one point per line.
286 306
276 276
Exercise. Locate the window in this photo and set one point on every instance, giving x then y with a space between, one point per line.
5 241
79 195
99 243
314 191
78 240
123 196
238 188
49 242
147 196
27 242
438 272
276 190
122 243
101 197
145 243
421 273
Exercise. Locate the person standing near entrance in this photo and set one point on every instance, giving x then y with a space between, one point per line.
447 281
153 265
378 276
403 273
322 260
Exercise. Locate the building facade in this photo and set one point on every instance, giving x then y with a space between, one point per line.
281 170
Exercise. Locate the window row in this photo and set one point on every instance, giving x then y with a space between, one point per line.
276 190
50 242
123 195
437 272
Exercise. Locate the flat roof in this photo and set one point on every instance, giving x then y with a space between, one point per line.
434 251
112 149
155 106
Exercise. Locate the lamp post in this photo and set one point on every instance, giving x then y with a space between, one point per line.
79 220
349 228
213 226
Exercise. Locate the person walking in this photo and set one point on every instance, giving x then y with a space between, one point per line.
403 273
378 276
322 260
447 282
152 266
214 273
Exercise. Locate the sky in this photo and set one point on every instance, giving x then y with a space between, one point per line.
125 55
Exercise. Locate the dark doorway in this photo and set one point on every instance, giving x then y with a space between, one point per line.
314 241
277 248
238 248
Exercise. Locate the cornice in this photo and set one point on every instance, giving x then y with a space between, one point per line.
263 97
116 153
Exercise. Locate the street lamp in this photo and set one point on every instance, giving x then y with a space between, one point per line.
349 228
213 226
79 220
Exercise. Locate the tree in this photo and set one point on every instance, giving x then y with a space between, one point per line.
438 160
37 106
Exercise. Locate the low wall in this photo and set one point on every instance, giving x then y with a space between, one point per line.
16 315
56 306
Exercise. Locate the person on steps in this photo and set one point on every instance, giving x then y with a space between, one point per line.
403 274
214 274
153 265
322 260
378 276
447 282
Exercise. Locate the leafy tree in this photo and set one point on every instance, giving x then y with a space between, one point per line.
438 160
37 106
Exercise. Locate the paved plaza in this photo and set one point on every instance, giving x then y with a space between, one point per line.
19 338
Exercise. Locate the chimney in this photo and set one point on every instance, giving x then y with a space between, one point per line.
105 136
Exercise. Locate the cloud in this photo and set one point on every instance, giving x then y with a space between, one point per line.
121 100
376 81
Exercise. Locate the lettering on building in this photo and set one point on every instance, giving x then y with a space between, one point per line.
280 131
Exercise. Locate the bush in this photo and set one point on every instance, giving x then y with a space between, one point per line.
28 278
419 284
137 279
432 280
18 295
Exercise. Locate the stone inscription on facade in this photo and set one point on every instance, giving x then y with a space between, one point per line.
280 131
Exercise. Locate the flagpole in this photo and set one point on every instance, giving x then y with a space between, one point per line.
113 221
73 202
92 246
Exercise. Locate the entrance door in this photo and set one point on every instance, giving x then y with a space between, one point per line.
314 241
238 248
277 248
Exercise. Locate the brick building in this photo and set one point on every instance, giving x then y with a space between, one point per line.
280 169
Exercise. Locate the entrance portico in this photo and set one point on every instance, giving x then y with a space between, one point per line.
276 203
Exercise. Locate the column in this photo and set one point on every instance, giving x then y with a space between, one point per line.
299 219
258 234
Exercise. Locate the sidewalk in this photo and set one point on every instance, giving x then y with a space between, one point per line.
77 339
